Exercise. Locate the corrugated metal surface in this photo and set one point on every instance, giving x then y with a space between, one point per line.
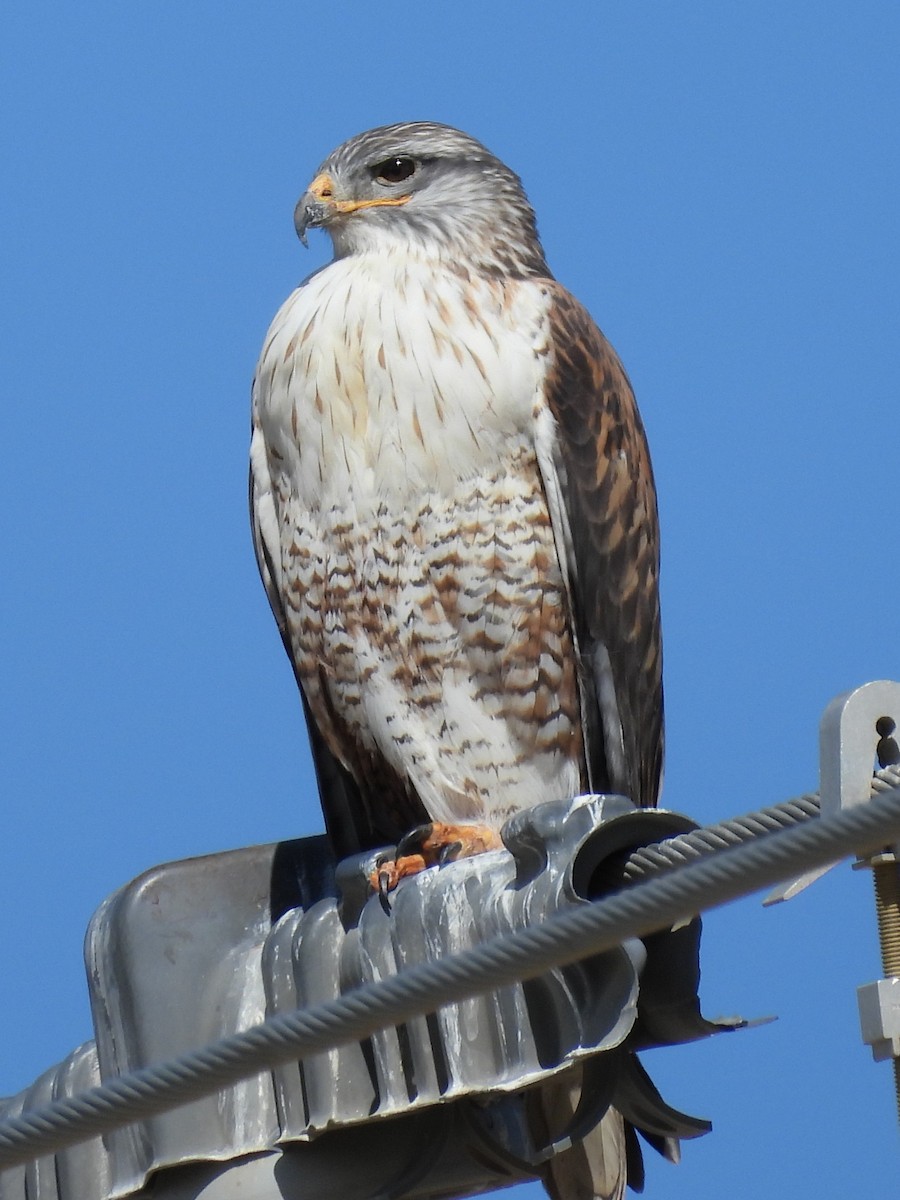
193 950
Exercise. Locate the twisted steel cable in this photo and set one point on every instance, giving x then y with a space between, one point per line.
655 904
687 847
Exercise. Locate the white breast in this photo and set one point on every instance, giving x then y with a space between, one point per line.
399 497
380 378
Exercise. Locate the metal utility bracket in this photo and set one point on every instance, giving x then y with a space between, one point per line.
856 733
850 731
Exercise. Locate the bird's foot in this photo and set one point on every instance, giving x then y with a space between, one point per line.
431 846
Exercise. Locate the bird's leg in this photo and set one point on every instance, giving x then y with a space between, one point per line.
432 846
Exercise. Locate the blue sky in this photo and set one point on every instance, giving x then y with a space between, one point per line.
719 184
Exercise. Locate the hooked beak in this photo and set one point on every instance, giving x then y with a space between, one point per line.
309 214
319 204
315 206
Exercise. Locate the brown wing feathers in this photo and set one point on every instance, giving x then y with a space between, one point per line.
608 488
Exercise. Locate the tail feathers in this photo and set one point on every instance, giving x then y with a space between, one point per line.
592 1169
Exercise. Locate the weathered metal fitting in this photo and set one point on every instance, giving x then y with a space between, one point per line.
195 950
849 736
850 733
868 861
879 1017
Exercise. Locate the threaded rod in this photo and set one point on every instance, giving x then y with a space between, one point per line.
887 907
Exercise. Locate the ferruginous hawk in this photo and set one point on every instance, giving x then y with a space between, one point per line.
455 520
453 506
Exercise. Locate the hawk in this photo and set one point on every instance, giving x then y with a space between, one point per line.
455 520
453 505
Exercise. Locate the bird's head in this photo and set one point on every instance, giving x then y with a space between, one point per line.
427 188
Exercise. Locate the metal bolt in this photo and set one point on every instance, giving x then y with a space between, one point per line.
886 873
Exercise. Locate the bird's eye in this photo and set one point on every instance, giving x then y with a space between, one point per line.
394 170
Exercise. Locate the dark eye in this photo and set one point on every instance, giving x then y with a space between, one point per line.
394 170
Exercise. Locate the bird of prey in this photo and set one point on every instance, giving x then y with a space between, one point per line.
453 508
455 520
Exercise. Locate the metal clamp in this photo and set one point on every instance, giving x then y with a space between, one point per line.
856 732
854 727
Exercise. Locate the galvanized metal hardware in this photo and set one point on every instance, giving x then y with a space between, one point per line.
879 1002
193 950
852 731
856 732
879 1017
